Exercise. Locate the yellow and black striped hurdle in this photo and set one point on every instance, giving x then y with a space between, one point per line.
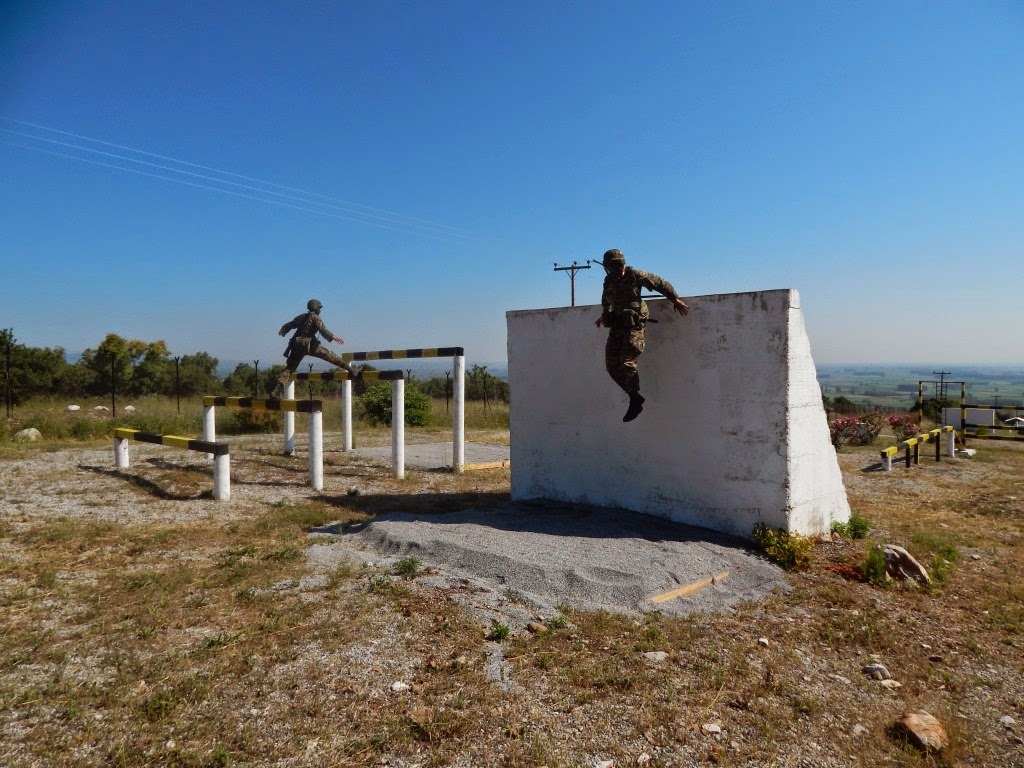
265 404
912 446
220 452
314 408
993 431
397 379
342 375
402 354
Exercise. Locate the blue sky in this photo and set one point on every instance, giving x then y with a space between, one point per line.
194 172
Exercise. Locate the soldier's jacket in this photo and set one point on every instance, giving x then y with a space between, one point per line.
307 326
621 302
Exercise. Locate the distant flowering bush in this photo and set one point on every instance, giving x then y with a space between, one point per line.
856 430
903 425
842 430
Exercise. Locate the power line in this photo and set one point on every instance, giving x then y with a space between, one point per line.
356 212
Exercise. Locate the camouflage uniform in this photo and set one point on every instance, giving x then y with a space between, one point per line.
625 314
304 342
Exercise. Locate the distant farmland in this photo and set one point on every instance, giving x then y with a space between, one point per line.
895 386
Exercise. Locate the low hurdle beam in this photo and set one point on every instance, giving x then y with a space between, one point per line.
397 379
220 452
912 446
312 407
458 355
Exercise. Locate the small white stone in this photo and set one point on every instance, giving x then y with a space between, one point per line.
656 656
762 641
399 686
712 729
1007 722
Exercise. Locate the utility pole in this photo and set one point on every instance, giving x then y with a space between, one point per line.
941 394
9 337
572 270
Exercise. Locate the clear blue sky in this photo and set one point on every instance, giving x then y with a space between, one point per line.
194 172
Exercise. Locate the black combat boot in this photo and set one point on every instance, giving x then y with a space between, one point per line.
636 404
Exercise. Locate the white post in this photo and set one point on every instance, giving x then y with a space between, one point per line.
316 450
120 453
209 426
398 427
459 416
222 477
346 415
887 463
951 443
289 421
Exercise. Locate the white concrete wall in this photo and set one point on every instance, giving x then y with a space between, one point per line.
985 417
733 431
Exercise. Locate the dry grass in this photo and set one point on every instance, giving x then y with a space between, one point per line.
212 639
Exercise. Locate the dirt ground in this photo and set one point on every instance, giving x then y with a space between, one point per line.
144 623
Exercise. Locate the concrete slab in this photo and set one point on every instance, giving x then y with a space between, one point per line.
439 455
537 557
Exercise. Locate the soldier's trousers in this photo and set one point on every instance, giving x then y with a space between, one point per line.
621 352
292 364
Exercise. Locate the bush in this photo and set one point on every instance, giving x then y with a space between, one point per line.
242 421
904 425
375 406
856 528
856 430
873 567
789 550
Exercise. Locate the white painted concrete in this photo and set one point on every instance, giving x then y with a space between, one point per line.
733 431
982 417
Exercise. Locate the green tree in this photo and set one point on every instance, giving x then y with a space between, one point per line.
375 405
152 369
33 371
198 374
481 385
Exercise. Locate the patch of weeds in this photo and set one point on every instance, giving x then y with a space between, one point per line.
873 567
353 491
159 706
558 622
342 572
46 579
788 550
219 758
285 555
218 640
499 632
407 567
856 528
943 563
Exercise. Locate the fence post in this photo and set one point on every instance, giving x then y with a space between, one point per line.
289 420
459 416
120 453
209 426
346 415
222 477
951 442
316 450
398 427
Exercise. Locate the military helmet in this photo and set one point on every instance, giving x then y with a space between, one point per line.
314 305
613 257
